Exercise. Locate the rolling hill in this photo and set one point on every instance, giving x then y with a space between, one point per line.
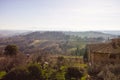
53 41
91 34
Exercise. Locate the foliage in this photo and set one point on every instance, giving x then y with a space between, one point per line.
73 72
35 72
9 62
11 50
40 68
2 73
17 74
48 73
57 75
77 51
60 62
84 78
64 61
32 72
85 56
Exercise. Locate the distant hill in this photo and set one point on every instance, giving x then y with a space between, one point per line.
91 34
53 35
52 41
112 32
35 42
10 33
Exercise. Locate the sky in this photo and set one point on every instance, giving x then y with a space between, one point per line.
60 15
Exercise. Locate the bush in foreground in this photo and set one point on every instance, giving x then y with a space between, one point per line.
73 73
32 72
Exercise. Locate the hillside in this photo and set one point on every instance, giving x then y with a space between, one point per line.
10 33
38 41
112 32
91 34
47 35
54 41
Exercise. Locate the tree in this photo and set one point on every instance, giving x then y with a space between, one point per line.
73 73
11 50
7 63
77 51
36 72
85 56
60 62
57 75
31 72
17 74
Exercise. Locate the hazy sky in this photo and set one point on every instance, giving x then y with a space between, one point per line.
67 15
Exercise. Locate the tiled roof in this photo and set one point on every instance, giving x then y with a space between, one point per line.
103 48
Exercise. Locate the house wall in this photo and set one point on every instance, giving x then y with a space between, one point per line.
115 59
103 59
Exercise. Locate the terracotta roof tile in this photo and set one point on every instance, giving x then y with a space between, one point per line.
103 48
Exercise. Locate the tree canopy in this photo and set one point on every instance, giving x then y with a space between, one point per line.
73 72
11 50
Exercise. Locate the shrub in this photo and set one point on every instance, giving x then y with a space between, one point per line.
31 72
9 62
36 72
17 74
2 73
60 62
73 73
57 75
11 50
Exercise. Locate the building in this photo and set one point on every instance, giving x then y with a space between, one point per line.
104 53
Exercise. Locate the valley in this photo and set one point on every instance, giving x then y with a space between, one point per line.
55 52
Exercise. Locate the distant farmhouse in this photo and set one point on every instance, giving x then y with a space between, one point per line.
104 53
